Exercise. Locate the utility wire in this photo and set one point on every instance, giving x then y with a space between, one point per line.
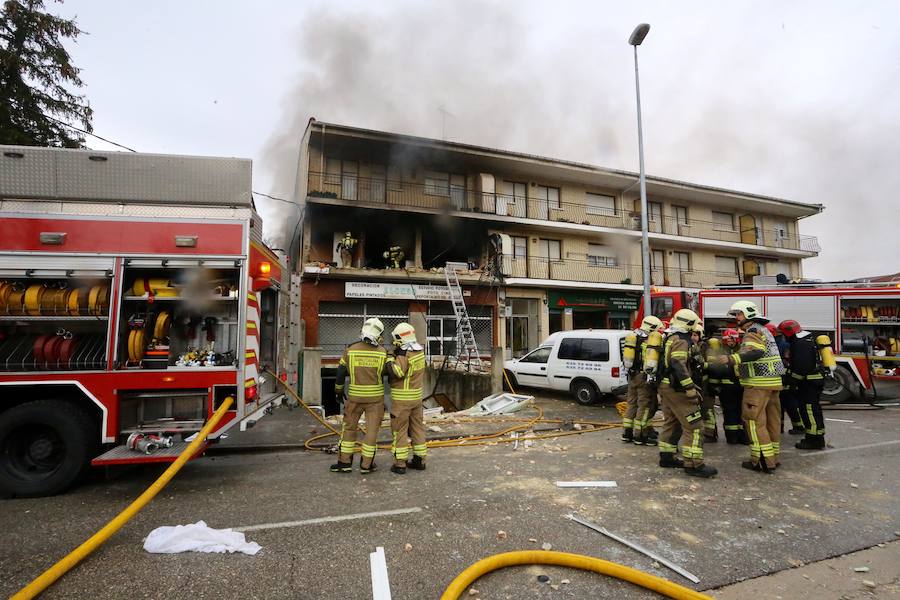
89 133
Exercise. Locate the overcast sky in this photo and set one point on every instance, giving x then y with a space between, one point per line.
799 100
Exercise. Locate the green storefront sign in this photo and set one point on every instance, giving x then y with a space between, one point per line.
582 300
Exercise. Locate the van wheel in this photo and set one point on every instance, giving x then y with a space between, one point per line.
45 447
585 392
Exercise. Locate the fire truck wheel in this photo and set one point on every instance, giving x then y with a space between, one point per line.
841 388
45 447
585 392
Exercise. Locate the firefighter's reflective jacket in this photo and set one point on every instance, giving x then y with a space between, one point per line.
407 375
364 363
758 361
676 372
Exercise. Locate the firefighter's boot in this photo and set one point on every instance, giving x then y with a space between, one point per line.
759 467
704 471
398 469
643 439
369 469
627 435
417 463
733 436
811 442
342 467
668 460
710 436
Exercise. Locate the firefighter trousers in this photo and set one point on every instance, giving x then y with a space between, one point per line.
790 405
708 410
350 429
761 411
682 426
642 405
346 258
407 422
808 394
730 399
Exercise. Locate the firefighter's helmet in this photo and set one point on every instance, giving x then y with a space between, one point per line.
651 324
372 330
684 320
773 330
731 335
698 328
404 333
749 309
789 328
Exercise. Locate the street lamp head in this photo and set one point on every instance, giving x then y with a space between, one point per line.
639 33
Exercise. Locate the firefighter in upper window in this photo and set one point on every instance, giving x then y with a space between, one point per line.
811 361
700 374
346 247
680 402
406 372
760 369
641 367
363 362
723 378
790 403
394 257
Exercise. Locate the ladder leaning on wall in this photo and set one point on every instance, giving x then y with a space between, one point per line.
466 348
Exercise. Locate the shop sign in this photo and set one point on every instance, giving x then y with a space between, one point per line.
581 300
397 291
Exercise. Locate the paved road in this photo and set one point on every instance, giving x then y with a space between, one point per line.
738 526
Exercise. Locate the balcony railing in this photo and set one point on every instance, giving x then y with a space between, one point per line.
601 271
446 196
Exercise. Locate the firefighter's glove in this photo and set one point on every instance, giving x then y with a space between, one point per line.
691 393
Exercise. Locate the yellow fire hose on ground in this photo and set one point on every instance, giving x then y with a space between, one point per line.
49 576
564 559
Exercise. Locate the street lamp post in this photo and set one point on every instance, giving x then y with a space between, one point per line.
637 36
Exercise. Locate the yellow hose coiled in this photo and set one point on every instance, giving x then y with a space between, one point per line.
49 576
564 559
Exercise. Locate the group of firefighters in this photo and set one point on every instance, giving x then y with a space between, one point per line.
756 370
365 363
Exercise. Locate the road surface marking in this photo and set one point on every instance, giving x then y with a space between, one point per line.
851 448
353 517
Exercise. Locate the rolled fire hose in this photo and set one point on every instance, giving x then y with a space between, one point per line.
5 289
33 296
15 302
564 559
136 346
161 327
49 576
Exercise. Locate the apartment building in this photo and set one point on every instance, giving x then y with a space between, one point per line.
550 244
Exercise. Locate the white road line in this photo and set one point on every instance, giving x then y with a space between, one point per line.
839 420
353 517
850 449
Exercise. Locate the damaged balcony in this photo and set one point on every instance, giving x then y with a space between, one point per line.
475 197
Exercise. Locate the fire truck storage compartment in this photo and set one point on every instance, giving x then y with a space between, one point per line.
871 324
179 315
162 410
53 320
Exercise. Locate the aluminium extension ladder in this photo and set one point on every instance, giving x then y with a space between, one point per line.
466 348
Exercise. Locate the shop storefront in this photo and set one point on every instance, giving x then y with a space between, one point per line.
588 309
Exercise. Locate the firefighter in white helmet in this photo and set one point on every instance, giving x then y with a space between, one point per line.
363 362
683 421
759 367
406 372
641 396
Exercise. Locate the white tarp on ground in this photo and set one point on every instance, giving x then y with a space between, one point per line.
197 537
500 404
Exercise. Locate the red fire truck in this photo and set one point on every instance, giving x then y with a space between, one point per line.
862 320
135 296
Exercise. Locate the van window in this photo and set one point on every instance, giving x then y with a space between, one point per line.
541 355
593 349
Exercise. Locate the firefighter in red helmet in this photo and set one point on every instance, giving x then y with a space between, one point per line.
808 371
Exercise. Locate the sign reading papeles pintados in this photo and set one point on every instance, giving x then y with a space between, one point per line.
397 291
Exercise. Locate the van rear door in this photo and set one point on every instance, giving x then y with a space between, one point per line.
584 357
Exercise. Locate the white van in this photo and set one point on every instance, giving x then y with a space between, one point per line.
586 362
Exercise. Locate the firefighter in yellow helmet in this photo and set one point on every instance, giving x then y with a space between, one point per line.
406 372
759 368
364 363
683 421
346 247
641 396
